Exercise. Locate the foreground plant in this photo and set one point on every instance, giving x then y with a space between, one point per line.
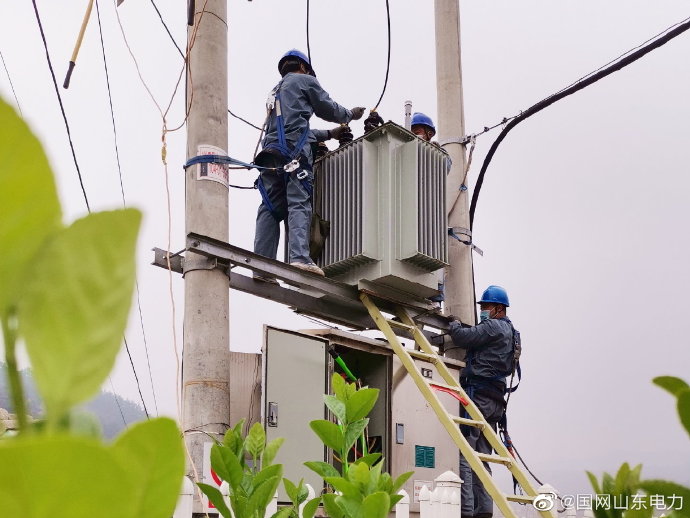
65 293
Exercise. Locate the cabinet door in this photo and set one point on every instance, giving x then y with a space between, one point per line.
295 380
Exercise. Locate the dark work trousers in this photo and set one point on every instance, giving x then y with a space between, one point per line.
474 498
292 201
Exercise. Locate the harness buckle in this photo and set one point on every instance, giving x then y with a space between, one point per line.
292 166
302 174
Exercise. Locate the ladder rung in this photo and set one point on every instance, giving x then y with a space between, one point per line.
431 358
468 422
506 461
400 325
522 499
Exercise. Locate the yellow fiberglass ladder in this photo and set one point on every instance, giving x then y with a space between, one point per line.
451 422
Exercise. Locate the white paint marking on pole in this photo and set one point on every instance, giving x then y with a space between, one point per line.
214 172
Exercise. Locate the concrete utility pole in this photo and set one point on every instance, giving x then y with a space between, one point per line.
205 389
451 126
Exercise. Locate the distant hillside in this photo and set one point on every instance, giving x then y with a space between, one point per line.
104 405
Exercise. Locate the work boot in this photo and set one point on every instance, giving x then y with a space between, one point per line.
311 267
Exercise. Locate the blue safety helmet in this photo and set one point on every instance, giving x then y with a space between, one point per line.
495 295
296 54
419 119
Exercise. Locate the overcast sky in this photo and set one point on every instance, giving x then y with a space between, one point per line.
582 215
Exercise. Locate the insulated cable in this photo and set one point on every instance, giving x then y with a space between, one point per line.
117 401
77 45
308 45
62 108
122 190
605 71
388 61
11 85
136 378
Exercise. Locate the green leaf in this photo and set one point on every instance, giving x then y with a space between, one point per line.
359 474
323 469
84 423
302 492
275 470
346 487
272 450
233 440
400 481
671 384
622 476
75 309
394 499
153 453
669 489
226 465
595 483
684 410
329 433
338 385
291 490
256 440
370 459
83 475
353 432
216 498
310 508
336 406
352 506
361 403
375 477
263 494
30 206
282 513
333 510
376 505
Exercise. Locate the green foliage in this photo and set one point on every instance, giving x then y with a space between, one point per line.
65 291
251 484
365 492
627 483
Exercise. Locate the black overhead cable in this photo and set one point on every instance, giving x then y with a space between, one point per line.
308 43
136 378
122 190
62 108
619 63
167 29
11 85
117 401
388 60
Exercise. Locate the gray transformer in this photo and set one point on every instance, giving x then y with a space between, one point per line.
384 195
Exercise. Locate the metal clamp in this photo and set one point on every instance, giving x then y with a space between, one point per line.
193 264
302 174
291 166
454 231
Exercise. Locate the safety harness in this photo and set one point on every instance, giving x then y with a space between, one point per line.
292 155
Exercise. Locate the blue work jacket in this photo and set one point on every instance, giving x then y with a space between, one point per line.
489 345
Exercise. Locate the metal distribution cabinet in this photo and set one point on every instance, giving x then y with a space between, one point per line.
403 427
384 196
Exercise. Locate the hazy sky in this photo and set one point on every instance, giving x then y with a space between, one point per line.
582 215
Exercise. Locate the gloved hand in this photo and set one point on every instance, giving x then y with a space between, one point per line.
338 131
357 112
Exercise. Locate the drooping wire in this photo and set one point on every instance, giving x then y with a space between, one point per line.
167 29
117 401
244 120
11 85
308 43
388 60
136 378
672 32
62 108
122 190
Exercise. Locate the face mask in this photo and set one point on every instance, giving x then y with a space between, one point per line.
484 315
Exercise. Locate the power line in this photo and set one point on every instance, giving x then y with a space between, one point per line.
11 85
308 43
245 121
117 401
62 108
670 33
136 378
122 190
388 61
167 29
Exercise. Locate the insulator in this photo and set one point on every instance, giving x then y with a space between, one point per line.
346 137
372 122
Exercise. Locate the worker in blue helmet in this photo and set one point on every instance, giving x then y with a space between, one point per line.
422 126
285 162
492 348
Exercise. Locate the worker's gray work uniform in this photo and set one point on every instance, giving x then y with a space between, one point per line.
301 96
490 352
